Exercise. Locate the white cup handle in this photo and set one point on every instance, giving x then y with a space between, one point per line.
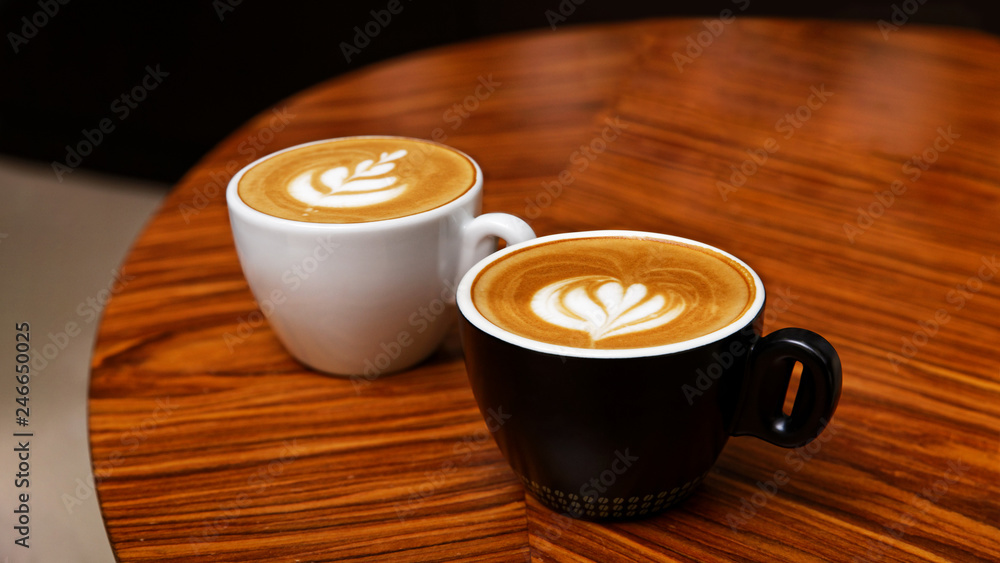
478 237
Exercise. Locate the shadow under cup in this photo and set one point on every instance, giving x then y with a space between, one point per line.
623 434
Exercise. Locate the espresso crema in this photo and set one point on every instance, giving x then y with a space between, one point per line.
357 180
613 292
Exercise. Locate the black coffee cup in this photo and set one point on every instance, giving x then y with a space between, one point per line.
622 434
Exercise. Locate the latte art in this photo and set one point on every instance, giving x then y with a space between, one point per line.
357 180
337 187
612 292
601 307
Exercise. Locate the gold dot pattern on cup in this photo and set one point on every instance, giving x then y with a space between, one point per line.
613 292
582 506
355 180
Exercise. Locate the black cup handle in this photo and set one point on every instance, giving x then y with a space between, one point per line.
769 371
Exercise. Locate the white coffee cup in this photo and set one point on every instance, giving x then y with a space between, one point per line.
364 298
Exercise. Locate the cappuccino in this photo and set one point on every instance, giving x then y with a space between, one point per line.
357 180
613 292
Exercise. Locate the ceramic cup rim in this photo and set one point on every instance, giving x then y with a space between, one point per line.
470 313
259 218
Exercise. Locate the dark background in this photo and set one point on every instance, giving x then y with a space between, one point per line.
227 60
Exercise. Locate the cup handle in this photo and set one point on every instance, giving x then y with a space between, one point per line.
769 370
477 237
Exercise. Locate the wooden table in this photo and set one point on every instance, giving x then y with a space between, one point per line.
857 170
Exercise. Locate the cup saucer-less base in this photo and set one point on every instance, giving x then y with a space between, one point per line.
598 508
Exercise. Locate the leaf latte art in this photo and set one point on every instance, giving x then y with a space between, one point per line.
602 307
357 180
337 187
612 292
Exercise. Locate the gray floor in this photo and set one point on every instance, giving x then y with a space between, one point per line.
61 244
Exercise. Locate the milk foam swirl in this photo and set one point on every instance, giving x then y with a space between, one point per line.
603 307
357 180
612 292
338 187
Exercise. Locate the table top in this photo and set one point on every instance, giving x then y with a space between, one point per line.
855 168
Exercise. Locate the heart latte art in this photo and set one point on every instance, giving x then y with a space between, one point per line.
357 179
612 292
602 308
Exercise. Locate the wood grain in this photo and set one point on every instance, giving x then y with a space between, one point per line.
210 444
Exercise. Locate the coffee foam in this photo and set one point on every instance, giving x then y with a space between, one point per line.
613 292
357 180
